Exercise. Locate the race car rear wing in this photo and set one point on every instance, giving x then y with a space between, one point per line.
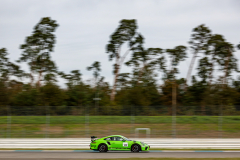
93 138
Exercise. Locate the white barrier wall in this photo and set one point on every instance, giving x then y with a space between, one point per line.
81 143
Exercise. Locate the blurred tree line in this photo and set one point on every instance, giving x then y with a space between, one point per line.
148 86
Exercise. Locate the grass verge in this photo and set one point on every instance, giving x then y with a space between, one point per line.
119 119
75 127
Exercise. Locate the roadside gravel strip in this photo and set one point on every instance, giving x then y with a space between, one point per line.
86 154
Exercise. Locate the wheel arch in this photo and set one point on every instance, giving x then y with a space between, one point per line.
105 148
101 144
140 148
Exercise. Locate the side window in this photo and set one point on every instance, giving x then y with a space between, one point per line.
109 138
118 138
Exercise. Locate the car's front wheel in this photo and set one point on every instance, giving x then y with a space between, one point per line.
135 148
102 148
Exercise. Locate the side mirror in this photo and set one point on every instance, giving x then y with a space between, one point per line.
123 140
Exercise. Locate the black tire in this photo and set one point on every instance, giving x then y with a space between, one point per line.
135 148
102 148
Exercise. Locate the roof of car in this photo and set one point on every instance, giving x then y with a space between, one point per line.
115 135
112 136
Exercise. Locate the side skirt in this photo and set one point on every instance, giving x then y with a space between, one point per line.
127 149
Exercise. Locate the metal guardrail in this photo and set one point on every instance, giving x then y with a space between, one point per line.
81 143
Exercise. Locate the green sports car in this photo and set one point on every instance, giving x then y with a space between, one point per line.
117 143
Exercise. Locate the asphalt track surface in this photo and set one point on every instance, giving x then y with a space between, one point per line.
81 154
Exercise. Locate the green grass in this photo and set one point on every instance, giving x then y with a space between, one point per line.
119 119
75 126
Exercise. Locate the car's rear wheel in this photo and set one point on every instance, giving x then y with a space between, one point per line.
135 148
102 148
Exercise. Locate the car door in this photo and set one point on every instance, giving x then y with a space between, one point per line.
119 144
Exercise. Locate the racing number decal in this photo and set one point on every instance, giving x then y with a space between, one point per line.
125 144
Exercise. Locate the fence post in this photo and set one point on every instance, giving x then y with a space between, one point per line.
220 120
9 122
174 102
86 122
110 117
132 120
47 122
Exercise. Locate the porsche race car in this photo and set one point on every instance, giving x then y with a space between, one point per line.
117 143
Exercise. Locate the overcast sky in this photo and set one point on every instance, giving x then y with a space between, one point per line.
85 26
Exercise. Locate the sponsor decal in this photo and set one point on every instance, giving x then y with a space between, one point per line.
125 144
